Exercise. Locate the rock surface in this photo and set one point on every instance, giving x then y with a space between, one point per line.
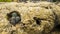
36 18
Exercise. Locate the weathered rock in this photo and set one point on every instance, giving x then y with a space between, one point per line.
36 18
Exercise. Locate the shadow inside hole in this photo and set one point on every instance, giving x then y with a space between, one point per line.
37 20
14 17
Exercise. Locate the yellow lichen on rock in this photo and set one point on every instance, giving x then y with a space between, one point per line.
35 18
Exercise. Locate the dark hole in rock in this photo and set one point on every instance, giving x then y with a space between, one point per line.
46 7
23 24
37 20
14 17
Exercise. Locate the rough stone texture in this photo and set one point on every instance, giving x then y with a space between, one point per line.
45 11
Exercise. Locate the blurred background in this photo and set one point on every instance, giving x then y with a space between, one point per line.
28 0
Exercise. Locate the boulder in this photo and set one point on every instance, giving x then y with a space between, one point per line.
36 18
